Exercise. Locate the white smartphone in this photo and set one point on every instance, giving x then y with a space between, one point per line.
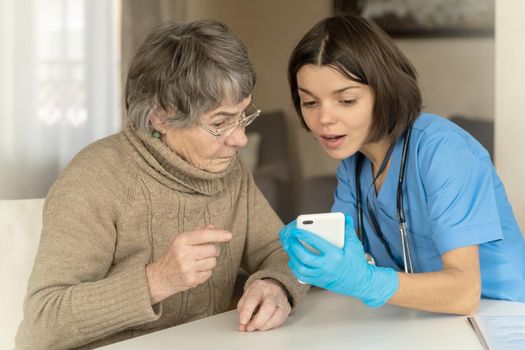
329 226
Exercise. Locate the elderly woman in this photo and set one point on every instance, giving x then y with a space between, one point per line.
148 228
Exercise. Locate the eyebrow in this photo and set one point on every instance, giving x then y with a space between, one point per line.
224 113
338 91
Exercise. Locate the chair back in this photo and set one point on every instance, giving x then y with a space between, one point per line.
20 226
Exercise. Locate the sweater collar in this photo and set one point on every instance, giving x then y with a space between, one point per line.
169 168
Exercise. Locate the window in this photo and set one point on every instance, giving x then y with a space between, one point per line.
61 90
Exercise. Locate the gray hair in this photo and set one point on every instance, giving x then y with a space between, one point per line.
188 68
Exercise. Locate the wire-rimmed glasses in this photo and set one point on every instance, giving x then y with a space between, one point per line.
246 118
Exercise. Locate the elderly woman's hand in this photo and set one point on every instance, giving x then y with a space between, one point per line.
188 262
263 306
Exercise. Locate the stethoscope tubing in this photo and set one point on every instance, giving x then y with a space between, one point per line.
400 208
407 256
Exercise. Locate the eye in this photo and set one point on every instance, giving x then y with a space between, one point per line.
218 124
348 101
307 104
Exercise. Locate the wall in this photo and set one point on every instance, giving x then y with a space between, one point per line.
510 94
456 75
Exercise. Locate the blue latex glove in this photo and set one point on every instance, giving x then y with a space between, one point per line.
343 271
284 234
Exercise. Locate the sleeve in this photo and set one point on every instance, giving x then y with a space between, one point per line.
344 196
263 256
461 202
70 300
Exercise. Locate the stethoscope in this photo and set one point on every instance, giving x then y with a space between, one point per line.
407 257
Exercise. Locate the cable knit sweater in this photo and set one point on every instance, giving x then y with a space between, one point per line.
114 210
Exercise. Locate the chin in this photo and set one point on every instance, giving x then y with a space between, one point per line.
218 167
339 154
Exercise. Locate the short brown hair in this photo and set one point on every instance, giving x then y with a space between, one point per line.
364 53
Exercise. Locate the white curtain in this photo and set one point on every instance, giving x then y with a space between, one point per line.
59 87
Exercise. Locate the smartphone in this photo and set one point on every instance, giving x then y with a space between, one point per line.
329 226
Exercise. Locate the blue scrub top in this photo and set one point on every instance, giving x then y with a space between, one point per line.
452 198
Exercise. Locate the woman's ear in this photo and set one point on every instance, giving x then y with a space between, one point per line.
158 120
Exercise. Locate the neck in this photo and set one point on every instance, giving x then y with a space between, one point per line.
376 152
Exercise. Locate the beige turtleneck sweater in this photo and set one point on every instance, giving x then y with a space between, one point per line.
114 210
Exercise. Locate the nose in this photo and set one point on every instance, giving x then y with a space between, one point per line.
237 138
326 117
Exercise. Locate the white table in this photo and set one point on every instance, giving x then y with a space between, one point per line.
329 321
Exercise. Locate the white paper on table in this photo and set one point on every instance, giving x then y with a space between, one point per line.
500 332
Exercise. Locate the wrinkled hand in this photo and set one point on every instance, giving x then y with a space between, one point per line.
188 262
343 271
263 306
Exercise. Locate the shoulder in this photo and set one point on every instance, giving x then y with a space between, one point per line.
447 157
104 165
103 156
432 125
434 135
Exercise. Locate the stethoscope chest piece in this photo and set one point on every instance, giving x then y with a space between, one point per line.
370 259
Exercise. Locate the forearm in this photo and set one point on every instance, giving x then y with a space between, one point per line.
80 314
156 293
156 290
451 291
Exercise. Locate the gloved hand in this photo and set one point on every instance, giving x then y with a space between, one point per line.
284 234
343 271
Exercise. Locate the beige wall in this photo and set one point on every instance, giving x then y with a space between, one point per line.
456 75
510 94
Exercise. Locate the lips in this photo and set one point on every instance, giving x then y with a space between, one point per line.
227 157
331 141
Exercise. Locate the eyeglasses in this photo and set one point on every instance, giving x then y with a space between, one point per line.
225 128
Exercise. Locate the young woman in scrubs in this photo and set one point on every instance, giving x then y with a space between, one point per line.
358 96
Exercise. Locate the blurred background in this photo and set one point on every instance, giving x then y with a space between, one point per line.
63 63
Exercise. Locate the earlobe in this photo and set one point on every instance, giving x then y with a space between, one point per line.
158 120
